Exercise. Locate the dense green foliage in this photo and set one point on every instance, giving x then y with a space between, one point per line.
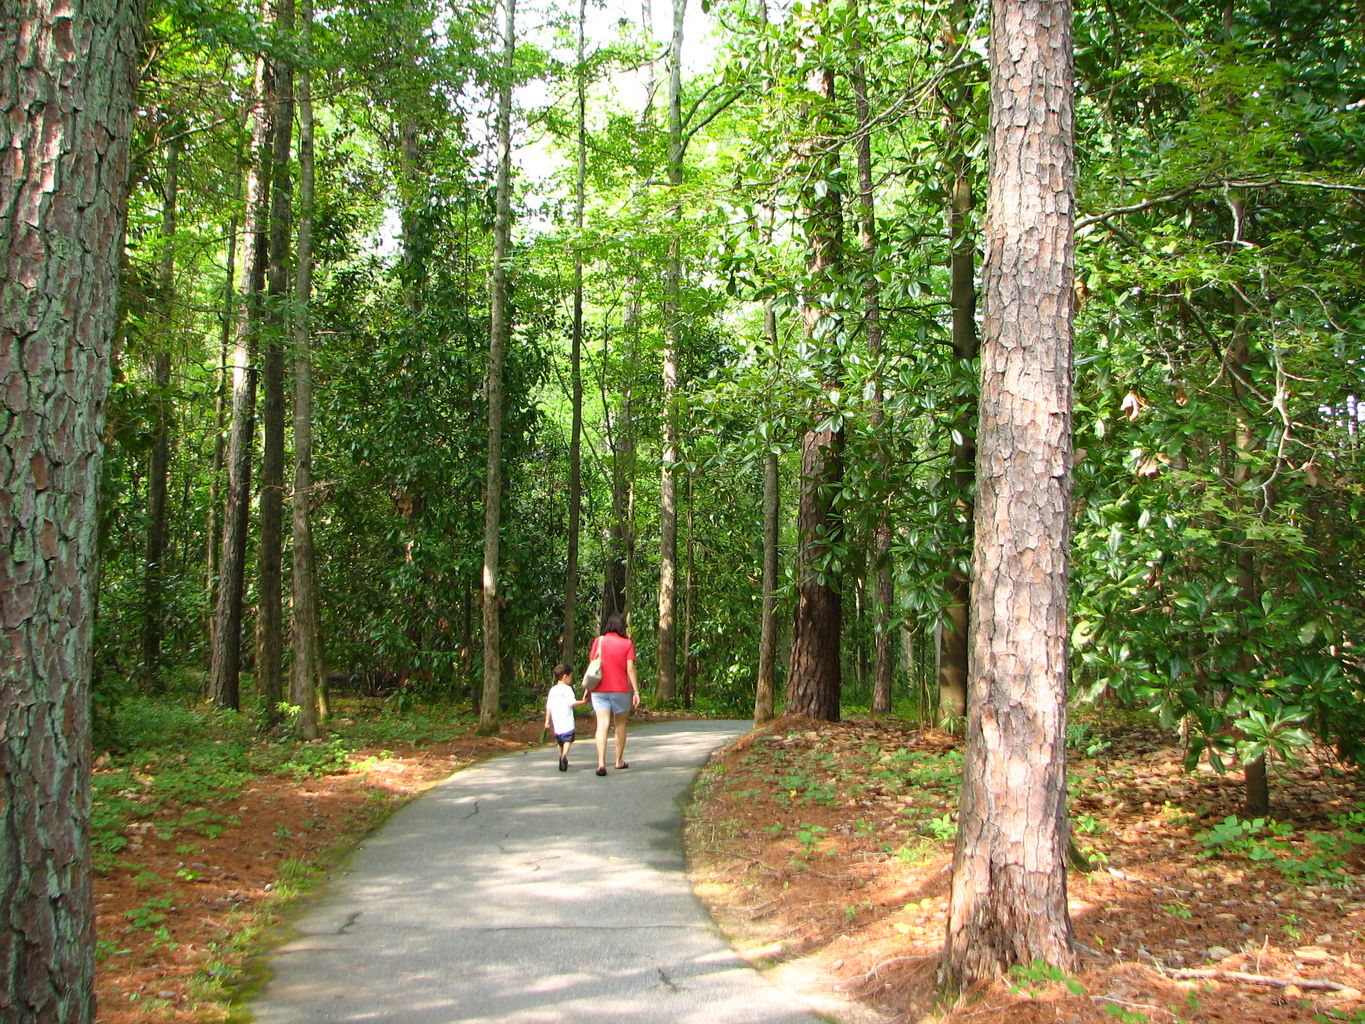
1217 574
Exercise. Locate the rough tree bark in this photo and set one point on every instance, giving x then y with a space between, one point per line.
67 78
498 332
814 678
306 664
1008 903
225 663
270 557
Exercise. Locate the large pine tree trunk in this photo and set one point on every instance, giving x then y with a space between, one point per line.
1008 903
66 100
498 332
270 583
306 664
158 468
225 664
665 685
814 680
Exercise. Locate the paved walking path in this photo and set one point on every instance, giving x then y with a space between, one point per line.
515 893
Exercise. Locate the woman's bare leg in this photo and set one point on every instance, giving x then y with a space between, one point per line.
603 727
621 721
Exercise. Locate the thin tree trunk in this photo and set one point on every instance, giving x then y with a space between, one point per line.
954 641
1008 903
884 658
66 102
566 653
158 469
814 679
219 429
690 666
306 665
665 685
499 330
225 665
765 696
1256 780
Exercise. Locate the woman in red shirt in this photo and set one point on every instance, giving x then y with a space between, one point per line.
617 692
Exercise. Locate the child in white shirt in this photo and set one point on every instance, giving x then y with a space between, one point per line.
559 705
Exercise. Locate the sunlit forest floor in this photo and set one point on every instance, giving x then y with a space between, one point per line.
198 886
823 851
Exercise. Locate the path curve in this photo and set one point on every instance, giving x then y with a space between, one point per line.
517 894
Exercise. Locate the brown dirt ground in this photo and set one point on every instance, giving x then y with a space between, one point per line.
837 915
229 885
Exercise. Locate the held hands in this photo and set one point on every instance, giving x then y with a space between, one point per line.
635 698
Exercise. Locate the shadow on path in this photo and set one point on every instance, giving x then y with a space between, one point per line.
516 893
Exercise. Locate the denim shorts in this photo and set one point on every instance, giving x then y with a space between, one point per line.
618 703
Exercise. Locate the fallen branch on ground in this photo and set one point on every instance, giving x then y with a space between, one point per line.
1212 974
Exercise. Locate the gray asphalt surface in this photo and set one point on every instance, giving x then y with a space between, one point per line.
516 893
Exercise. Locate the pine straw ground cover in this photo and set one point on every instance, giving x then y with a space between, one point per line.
824 851
188 883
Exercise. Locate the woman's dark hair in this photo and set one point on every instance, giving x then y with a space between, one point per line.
616 623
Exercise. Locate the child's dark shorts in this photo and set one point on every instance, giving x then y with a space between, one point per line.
565 737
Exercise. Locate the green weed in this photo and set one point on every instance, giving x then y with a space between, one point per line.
1031 979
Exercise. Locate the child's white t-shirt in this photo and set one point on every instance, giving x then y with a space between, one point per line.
560 703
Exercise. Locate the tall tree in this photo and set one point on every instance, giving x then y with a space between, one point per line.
566 654
765 691
305 666
498 332
665 684
814 678
1008 903
225 663
270 559
67 78
884 660
953 637
158 468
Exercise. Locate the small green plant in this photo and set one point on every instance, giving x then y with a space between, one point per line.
809 836
1291 925
1178 910
1031 979
941 828
282 832
1340 1017
105 949
151 913
1125 1015
1087 825
311 760
188 874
